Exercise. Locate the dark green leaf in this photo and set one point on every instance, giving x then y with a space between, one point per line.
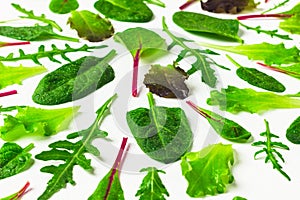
91 26
14 159
63 6
293 132
74 80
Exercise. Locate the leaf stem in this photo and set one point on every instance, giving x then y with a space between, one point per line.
157 2
187 4
277 69
5 44
136 59
151 99
245 17
62 37
18 195
233 61
200 111
4 94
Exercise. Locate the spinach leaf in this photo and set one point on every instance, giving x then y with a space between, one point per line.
126 10
30 121
226 128
167 81
199 23
33 33
31 15
42 53
74 80
90 26
269 148
162 133
257 78
14 159
152 186
235 100
208 171
293 132
15 75
63 6
72 153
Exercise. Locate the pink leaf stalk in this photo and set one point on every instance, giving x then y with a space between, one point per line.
4 94
19 194
116 166
136 71
278 70
6 44
187 4
244 17
202 113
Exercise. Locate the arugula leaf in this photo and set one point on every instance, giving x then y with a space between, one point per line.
269 53
14 159
30 121
19 194
208 171
226 128
72 153
152 186
202 64
269 147
91 26
42 53
31 15
236 100
127 10
74 80
293 132
139 41
291 24
162 133
277 6
109 188
167 81
15 75
200 23
33 33
63 6
257 78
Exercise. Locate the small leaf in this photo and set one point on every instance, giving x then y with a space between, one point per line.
63 6
293 132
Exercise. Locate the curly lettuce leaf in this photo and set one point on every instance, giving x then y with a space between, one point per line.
208 171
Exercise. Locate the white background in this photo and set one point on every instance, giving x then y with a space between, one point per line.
254 179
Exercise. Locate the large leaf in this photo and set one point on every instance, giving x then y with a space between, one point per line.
208 171
162 133
74 80
90 26
63 6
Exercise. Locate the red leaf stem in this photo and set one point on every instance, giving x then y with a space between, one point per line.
244 17
3 94
187 4
277 70
135 72
21 192
5 44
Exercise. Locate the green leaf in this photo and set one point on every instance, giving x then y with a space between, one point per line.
63 173
15 75
239 198
31 15
208 171
202 61
293 132
63 6
200 23
90 26
30 121
257 78
33 33
162 133
291 24
294 10
236 100
74 80
152 186
269 53
167 81
14 159
269 147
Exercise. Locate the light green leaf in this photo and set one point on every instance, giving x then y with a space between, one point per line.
291 24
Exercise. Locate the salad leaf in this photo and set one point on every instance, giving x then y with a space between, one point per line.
269 147
127 10
63 6
202 61
293 132
109 188
167 81
152 186
227 6
30 121
15 75
269 53
208 171
291 24
235 100
14 159
31 15
139 41
291 70
19 194
226 128
257 78
42 53
72 153
200 23
239 198
162 133
33 33
90 26
74 80
293 10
